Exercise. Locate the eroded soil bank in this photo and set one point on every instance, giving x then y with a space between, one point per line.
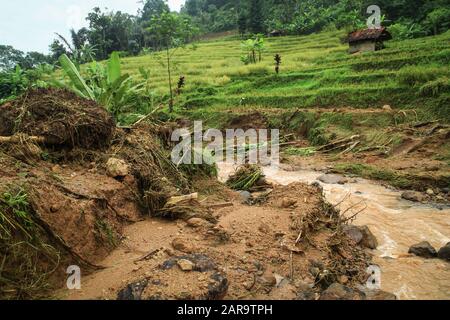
397 224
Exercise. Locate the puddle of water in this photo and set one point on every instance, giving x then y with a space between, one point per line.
395 222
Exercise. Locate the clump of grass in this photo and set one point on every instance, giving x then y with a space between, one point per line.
27 259
104 230
435 88
366 171
304 152
245 177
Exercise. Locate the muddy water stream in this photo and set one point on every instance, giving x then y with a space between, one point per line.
396 223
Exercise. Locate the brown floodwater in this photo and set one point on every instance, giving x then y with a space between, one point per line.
397 224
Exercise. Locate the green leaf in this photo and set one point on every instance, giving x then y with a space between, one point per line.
114 67
75 77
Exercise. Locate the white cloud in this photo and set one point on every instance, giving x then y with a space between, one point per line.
30 25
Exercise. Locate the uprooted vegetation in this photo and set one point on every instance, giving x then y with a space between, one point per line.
60 198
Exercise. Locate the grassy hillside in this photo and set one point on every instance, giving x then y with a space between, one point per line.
316 71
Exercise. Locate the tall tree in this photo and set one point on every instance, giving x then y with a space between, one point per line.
256 21
153 8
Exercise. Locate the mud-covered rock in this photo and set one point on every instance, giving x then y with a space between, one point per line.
200 262
182 245
217 287
116 168
185 265
197 222
245 196
361 235
444 252
338 291
413 196
132 291
332 179
423 249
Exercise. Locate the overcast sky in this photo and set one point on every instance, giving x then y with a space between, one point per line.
30 25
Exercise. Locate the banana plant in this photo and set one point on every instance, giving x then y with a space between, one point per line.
106 85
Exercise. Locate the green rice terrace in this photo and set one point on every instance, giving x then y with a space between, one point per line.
316 71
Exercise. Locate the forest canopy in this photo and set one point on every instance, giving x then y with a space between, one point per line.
110 31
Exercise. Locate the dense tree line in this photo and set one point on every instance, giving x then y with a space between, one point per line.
414 17
110 31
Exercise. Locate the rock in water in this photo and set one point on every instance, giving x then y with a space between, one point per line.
332 179
354 233
444 252
413 196
361 235
423 249
116 168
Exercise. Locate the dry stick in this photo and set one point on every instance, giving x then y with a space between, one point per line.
343 199
291 266
148 255
352 206
20 138
423 124
338 143
354 215
147 116
349 148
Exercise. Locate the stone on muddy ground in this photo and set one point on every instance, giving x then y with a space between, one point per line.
245 196
338 291
444 252
414 196
423 249
332 179
196 222
185 265
200 262
133 291
268 278
287 202
361 235
182 245
305 291
203 282
116 168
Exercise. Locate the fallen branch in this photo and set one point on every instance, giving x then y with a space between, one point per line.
338 144
177 199
22 138
147 116
220 205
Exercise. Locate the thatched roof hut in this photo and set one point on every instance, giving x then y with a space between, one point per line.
368 39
